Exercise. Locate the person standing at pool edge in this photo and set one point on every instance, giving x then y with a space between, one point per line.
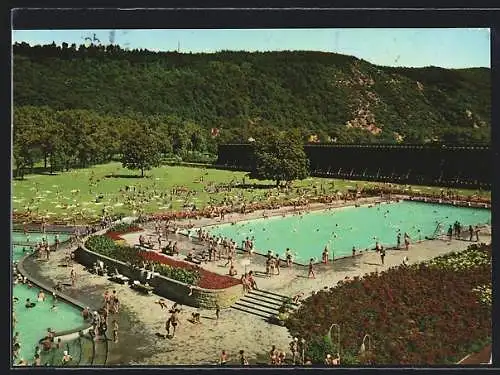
398 239
324 256
450 233
382 254
311 270
407 241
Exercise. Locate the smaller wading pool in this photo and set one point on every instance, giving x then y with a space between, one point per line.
32 323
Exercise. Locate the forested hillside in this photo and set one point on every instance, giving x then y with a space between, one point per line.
76 105
330 95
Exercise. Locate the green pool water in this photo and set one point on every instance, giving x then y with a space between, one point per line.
342 228
32 323
34 238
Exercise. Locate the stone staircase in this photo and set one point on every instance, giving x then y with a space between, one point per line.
262 303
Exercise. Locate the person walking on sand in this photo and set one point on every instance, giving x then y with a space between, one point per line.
174 321
224 358
311 269
471 233
217 312
382 254
115 331
277 264
72 276
450 233
243 358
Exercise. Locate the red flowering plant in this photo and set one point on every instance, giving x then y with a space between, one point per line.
424 314
193 274
207 279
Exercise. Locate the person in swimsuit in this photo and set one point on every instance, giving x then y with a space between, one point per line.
66 358
273 355
244 282
243 359
224 358
335 361
251 280
29 304
174 321
281 358
41 296
217 312
162 303
311 269
115 331
72 276
277 264
86 313
288 257
324 256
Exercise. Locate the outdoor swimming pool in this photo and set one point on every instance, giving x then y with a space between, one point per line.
32 323
342 228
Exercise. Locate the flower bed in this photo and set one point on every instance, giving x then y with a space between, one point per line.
207 279
116 232
124 228
425 314
175 269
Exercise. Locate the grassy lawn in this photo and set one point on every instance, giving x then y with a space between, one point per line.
70 194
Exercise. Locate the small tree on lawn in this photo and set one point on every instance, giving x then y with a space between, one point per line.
140 150
280 157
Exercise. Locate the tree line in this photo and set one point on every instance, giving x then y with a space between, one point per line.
66 139
72 138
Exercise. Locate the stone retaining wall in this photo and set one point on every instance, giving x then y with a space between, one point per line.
165 287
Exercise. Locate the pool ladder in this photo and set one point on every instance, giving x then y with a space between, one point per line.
438 231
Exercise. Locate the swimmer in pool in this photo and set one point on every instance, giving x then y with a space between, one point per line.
29 304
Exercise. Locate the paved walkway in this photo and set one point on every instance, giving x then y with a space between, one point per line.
141 319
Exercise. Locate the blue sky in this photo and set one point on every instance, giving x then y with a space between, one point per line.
447 48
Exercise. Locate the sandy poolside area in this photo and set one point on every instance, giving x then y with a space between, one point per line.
201 344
